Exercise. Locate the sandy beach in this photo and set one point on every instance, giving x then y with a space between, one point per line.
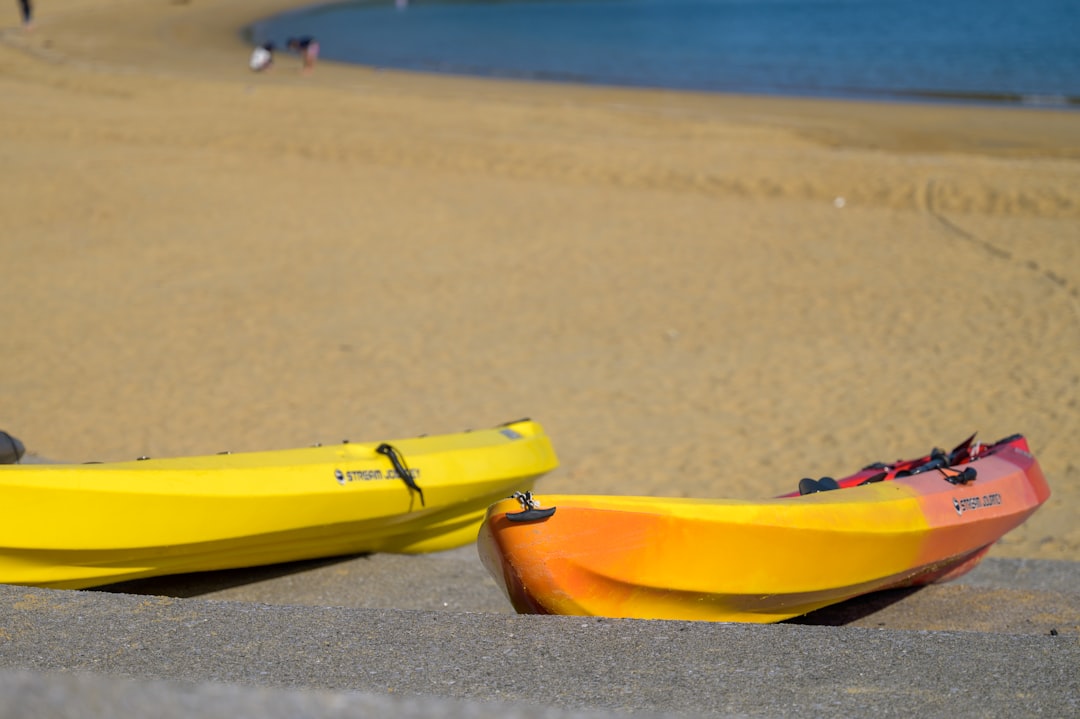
696 295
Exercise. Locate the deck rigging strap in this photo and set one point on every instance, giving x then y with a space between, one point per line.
401 468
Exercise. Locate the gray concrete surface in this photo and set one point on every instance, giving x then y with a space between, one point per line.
1000 595
431 636
34 695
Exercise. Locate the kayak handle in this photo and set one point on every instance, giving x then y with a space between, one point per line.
966 476
401 468
531 511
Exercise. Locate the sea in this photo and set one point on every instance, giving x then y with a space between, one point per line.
978 51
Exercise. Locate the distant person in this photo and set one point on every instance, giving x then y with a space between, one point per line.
27 11
308 48
262 57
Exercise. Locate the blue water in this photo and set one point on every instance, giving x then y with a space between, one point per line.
982 50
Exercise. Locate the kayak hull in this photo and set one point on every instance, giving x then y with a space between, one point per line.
764 561
73 526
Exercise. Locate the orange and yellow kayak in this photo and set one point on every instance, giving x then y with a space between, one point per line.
889 525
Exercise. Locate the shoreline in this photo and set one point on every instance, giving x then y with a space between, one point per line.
189 29
273 28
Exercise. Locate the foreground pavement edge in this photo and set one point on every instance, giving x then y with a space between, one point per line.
63 653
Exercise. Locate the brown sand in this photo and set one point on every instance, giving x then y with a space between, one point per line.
199 258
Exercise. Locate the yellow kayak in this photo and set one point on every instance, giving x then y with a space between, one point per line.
82 525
